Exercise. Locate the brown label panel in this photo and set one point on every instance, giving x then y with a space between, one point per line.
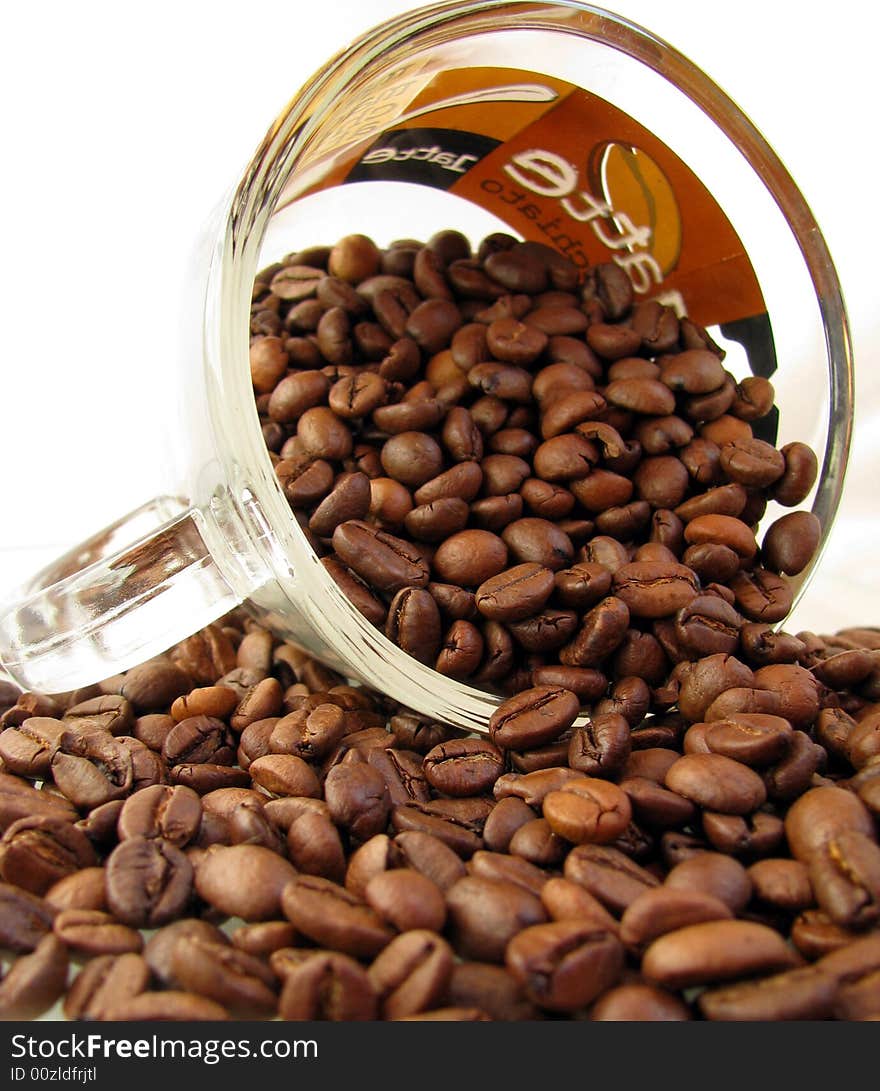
565 167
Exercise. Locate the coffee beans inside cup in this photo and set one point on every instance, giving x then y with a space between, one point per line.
519 471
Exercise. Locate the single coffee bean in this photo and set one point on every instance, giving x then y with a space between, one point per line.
516 593
716 783
845 876
412 973
608 874
489 988
407 899
173 813
332 916
91 932
588 810
264 937
563 965
35 853
385 562
170 1005
35 982
714 874
820 815
665 909
806 993
463 767
104 983
715 951
414 623
639 1003
533 717
149 881
328 986
782 883
358 799
159 947
244 985
752 739
486 913
243 881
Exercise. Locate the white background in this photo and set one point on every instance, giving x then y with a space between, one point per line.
123 125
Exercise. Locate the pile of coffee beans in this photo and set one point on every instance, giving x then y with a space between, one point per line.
533 482
232 831
519 472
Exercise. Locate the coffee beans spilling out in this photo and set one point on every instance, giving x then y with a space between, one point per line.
232 831
520 473
532 482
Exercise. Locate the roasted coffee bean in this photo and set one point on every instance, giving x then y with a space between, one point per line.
244 985
385 562
588 810
608 874
639 1002
34 982
198 739
806 993
243 880
563 965
315 847
752 739
715 951
284 775
716 783
601 633
665 909
845 876
154 686
92 769
753 835
601 746
655 806
172 813
332 916
515 594
486 913
414 623
91 932
412 973
801 468
358 799
308 734
28 748
782 883
407 899
37 852
821 815
170 1005
149 881
463 767
533 717
470 557
264 938
328 986
712 873
104 983
82 889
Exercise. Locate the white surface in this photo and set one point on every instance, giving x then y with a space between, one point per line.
122 127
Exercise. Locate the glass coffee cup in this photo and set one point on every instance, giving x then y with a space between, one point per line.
556 122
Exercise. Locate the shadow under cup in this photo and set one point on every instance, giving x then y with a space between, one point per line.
554 122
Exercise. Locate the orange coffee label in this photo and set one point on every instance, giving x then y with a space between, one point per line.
567 168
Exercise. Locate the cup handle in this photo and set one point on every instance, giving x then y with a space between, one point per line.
125 595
